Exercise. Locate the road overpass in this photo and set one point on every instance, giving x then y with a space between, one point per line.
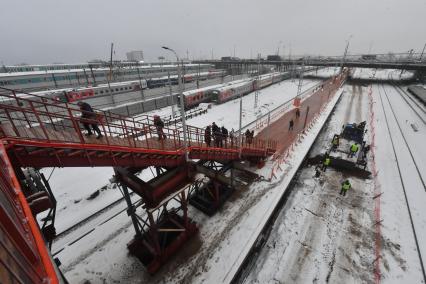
283 64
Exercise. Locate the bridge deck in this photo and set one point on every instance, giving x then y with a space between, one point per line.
46 134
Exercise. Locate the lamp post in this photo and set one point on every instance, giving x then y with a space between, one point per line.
182 104
240 136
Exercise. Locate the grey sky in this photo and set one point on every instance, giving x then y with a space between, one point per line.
47 31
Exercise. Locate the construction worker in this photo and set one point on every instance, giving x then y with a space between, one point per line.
159 125
290 125
335 142
297 113
217 134
208 136
353 150
88 114
317 171
346 185
248 136
224 132
232 137
326 162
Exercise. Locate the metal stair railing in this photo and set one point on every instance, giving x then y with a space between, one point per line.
30 117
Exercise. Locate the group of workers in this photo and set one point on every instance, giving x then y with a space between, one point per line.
219 134
346 185
353 149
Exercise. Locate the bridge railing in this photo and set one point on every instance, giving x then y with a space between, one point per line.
26 117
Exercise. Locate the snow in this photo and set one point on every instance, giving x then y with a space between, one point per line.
113 235
269 98
72 187
319 236
396 227
312 235
382 74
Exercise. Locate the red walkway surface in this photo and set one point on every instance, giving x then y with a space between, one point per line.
310 106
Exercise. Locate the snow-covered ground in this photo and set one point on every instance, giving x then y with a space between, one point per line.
319 236
74 186
324 72
381 74
400 181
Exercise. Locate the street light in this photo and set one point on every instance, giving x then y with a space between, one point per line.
182 104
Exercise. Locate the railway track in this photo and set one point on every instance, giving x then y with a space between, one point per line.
401 176
418 110
404 138
91 218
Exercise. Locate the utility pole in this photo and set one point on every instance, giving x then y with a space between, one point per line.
182 103
256 92
110 61
171 94
345 53
140 83
240 134
198 76
299 86
421 55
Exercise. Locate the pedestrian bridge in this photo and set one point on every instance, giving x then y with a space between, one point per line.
39 132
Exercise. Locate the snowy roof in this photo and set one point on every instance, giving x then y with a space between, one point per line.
32 73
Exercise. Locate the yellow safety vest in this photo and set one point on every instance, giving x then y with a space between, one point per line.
327 161
354 148
335 141
346 186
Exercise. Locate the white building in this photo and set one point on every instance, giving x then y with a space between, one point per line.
136 55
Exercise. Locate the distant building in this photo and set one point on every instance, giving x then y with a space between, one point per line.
136 55
273 58
369 57
230 58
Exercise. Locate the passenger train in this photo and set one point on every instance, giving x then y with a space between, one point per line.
55 79
223 93
72 95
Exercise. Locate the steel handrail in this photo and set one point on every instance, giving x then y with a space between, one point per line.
27 116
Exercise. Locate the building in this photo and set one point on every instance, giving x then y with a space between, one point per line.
136 55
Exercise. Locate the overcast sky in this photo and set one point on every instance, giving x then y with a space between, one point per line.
46 31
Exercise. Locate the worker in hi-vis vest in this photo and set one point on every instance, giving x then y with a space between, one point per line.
346 185
353 150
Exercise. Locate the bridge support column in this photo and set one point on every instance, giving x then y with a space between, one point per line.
165 226
219 186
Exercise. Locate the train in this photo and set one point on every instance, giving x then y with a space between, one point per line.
223 93
188 78
70 95
56 79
